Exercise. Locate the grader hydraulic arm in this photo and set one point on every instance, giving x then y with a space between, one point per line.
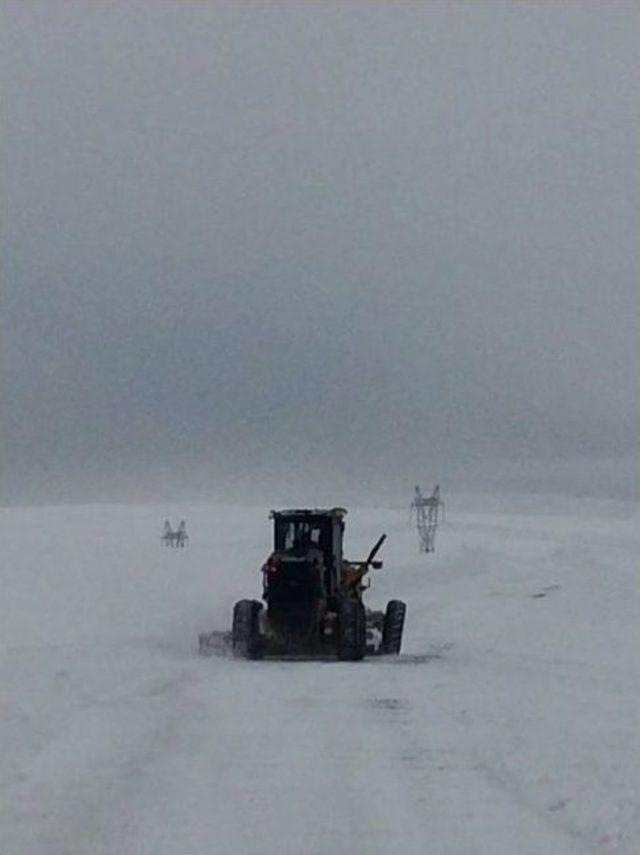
355 571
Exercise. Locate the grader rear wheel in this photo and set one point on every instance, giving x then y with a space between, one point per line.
352 630
245 633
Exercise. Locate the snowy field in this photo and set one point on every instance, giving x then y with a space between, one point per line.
509 726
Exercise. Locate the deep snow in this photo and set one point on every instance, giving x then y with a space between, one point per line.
510 724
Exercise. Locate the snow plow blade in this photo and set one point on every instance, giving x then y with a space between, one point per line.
214 643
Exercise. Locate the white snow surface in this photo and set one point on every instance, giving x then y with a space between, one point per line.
510 723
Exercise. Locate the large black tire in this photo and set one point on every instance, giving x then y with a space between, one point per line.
393 626
352 630
245 631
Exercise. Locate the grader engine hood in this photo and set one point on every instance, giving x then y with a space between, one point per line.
292 579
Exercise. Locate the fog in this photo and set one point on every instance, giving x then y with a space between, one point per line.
318 250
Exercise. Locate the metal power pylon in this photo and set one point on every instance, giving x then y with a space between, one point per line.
429 511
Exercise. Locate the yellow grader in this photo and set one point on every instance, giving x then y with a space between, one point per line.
313 596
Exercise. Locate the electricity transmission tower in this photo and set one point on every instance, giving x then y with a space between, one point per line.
429 511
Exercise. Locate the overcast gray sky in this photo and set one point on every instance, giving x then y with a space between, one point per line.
354 244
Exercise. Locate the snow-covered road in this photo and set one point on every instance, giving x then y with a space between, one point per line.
510 724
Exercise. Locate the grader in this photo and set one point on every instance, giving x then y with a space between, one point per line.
313 596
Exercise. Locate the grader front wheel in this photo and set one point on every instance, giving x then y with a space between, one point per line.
393 626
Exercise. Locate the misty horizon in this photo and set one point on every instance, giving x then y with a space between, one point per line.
279 248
